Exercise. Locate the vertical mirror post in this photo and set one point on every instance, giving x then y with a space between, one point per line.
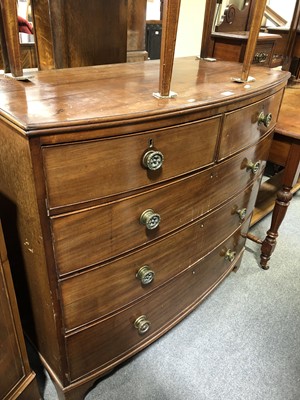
295 25
169 30
9 17
251 44
208 22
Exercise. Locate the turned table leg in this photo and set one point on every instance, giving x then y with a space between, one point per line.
284 195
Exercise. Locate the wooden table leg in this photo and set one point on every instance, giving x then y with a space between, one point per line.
284 196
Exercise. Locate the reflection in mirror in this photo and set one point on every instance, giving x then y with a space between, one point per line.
284 9
25 22
153 12
221 6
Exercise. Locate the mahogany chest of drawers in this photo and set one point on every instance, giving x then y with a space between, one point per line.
124 211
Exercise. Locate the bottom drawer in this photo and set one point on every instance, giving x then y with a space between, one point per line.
105 344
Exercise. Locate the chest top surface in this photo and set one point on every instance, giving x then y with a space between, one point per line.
102 94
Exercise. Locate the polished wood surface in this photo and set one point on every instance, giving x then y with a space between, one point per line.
17 379
98 96
77 192
288 121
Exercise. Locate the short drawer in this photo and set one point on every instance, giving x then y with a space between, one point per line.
80 172
94 294
242 128
113 340
92 236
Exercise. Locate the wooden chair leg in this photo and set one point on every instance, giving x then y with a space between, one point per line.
268 245
291 173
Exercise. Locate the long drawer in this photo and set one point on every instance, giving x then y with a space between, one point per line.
101 291
79 172
109 230
116 338
245 126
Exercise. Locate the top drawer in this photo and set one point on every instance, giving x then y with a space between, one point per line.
245 126
84 171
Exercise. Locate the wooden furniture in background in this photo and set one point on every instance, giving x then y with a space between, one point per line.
276 193
116 33
227 41
295 62
292 37
234 20
28 57
17 379
136 31
287 48
90 33
230 46
280 47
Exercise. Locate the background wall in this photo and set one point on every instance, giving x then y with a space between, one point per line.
189 26
284 8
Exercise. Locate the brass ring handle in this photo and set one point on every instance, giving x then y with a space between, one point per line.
150 219
142 324
260 57
264 119
254 167
242 213
145 275
230 255
153 160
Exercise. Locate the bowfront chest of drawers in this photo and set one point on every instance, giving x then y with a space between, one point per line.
123 211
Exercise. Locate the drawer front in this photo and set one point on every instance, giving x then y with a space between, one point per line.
241 128
85 171
92 236
98 292
116 338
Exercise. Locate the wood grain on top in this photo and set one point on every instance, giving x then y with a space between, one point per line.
97 94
